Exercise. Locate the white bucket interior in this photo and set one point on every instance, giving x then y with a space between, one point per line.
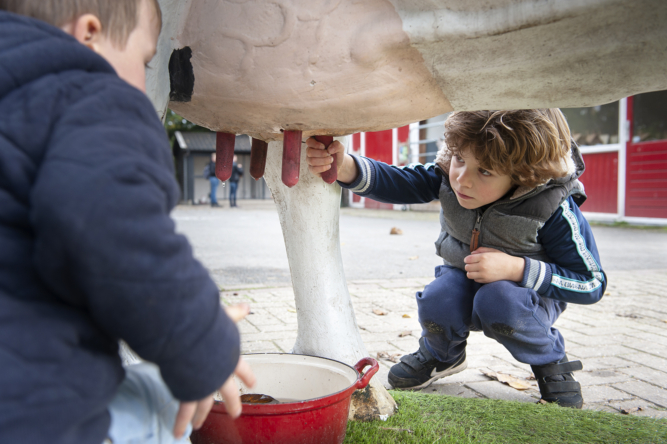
288 377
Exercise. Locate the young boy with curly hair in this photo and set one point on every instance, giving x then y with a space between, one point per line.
516 248
88 252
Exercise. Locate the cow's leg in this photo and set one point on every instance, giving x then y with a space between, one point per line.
327 326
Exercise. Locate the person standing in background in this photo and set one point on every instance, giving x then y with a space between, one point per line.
237 173
209 173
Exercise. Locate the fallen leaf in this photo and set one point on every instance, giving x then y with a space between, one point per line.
665 321
380 312
235 294
393 357
413 258
404 334
362 328
512 381
542 401
628 411
607 293
629 315
406 316
291 310
396 429
395 230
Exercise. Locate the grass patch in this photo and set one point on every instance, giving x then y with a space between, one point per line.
424 418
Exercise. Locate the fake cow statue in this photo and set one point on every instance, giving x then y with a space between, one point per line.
285 70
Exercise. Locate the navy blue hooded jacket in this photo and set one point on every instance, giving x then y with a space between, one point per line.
88 252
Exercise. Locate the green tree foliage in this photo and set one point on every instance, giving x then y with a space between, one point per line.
173 122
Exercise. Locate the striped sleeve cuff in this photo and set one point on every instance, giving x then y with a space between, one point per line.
362 184
536 275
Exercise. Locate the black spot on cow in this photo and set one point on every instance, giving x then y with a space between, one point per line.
181 76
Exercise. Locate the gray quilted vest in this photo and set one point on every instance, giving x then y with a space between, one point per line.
509 224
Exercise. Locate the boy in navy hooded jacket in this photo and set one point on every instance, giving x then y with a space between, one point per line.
88 252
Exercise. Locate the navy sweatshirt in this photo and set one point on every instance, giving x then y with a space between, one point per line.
574 273
88 252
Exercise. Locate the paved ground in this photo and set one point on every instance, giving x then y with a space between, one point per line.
622 340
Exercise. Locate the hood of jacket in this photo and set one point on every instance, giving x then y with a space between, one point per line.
31 49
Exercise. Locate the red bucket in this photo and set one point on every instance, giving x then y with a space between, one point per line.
315 396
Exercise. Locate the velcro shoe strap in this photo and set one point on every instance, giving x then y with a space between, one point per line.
413 362
551 388
423 350
557 369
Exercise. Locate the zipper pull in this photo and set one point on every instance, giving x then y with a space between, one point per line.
474 240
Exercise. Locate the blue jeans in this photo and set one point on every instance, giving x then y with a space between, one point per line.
143 411
517 317
214 188
233 186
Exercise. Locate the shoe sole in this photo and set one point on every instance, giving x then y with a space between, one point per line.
439 375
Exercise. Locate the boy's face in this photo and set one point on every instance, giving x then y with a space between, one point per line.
130 62
473 185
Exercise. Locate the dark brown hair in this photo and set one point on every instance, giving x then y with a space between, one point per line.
531 146
118 17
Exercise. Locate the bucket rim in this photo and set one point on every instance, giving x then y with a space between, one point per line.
298 406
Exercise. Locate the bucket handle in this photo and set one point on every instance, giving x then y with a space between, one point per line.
365 378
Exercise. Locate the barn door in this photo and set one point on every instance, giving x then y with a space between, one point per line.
646 173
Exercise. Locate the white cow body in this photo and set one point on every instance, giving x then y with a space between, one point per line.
340 66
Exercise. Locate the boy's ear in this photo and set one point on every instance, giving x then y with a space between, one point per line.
87 29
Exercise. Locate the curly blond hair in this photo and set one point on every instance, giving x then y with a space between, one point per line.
531 146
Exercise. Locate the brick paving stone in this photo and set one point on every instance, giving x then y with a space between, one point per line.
603 393
647 360
451 389
608 362
601 377
274 335
264 317
285 345
477 363
649 328
598 407
485 349
271 328
602 331
594 341
400 283
645 391
377 346
595 352
648 408
245 327
467 375
650 347
259 347
407 344
645 374
497 390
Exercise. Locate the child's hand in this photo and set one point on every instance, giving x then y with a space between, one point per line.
320 159
486 265
195 412
237 312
